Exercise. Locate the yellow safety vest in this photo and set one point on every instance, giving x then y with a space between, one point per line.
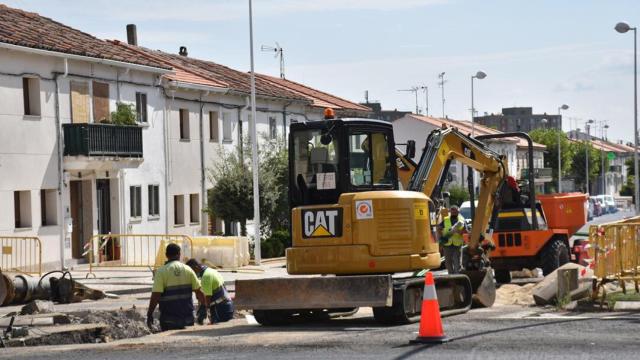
455 239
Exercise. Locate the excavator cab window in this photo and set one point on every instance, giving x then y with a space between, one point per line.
369 160
315 165
332 157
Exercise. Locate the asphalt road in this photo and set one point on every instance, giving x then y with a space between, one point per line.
496 333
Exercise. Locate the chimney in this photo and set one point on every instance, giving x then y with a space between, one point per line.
132 35
183 51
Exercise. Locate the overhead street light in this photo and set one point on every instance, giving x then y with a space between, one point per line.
560 108
587 126
479 75
623 27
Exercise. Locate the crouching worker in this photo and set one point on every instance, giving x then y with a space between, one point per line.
216 296
172 287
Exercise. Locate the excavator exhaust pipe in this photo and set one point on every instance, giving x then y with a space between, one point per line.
483 286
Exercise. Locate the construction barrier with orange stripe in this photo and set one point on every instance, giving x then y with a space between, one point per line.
614 249
131 250
21 254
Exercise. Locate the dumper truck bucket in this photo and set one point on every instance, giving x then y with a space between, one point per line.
483 286
328 292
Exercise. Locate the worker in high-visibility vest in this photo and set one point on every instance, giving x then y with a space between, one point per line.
217 298
173 284
450 232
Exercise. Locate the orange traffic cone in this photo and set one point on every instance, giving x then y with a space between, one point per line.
430 323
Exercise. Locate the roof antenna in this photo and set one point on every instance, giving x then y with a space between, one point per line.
414 90
278 53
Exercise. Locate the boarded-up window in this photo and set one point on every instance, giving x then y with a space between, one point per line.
79 102
100 102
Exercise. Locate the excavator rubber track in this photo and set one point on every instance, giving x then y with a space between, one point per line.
401 304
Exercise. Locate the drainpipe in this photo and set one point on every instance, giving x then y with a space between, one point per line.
203 216
167 158
59 149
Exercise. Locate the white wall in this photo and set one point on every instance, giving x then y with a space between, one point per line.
28 147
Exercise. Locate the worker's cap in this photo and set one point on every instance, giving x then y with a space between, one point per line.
172 250
454 207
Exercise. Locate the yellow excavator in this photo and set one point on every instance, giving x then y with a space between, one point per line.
358 240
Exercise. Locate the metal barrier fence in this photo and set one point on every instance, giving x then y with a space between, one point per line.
132 250
615 253
21 254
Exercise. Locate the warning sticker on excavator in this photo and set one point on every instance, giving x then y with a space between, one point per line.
420 212
364 209
319 223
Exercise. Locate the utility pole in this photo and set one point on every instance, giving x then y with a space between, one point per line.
441 83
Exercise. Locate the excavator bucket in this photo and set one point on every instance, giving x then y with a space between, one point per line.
483 285
328 292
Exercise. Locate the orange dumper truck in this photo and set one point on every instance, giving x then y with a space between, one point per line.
520 245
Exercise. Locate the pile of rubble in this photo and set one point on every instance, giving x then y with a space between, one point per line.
38 324
544 292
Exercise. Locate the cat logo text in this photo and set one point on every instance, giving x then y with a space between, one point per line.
321 223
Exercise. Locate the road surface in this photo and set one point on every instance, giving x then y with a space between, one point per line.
497 333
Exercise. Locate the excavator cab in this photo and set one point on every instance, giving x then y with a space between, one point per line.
333 157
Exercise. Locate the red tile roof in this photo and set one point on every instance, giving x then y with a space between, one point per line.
236 81
318 98
599 144
466 127
18 27
180 73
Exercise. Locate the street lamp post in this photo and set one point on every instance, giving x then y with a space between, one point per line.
479 75
254 148
560 108
586 151
623 27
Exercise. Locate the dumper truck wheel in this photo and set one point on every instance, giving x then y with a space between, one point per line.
554 255
502 276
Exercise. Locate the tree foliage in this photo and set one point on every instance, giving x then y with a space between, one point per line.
579 164
231 198
457 194
549 138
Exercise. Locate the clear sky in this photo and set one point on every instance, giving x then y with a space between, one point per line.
536 53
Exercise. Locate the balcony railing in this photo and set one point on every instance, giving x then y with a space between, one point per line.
102 140
537 173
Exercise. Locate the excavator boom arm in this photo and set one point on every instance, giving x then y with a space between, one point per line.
449 144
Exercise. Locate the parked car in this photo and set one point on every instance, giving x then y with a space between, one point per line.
608 203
